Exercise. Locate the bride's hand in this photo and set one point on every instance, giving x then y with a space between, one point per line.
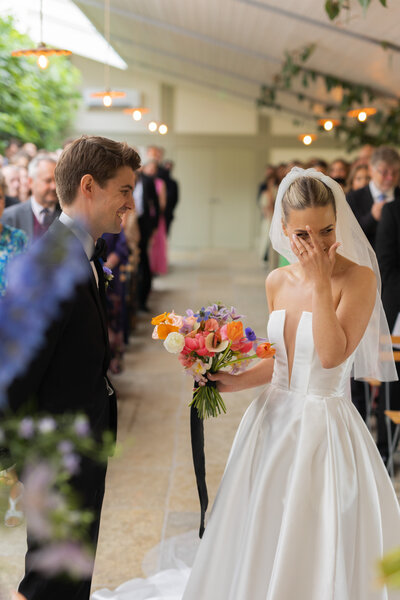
318 262
225 381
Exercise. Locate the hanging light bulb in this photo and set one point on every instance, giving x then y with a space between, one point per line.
163 129
108 95
362 113
136 115
42 51
307 138
328 124
43 61
362 116
152 126
137 112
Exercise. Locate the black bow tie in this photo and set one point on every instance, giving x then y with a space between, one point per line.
100 250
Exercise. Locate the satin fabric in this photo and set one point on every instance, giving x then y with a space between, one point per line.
305 507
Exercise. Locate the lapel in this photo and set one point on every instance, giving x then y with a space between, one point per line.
27 219
56 227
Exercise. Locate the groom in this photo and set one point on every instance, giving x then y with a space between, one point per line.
95 178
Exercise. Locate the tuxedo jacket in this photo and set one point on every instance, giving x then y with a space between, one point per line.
148 221
69 372
388 253
361 202
21 216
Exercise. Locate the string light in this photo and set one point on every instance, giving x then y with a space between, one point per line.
152 126
307 138
362 113
163 129
136 112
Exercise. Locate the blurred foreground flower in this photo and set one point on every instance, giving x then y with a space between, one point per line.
64 557
390 569
37 284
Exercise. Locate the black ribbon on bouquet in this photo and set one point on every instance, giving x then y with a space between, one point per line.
199 459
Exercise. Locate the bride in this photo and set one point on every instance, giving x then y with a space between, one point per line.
305 507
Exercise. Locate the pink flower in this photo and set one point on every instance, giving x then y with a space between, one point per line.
224 332
175 320
243 346
63 557
186 361
211 325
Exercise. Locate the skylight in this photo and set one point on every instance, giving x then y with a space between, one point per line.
64 26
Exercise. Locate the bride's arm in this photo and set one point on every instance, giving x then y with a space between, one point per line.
260 374
338 332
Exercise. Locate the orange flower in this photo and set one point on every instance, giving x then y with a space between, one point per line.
234 331
160 319
265 350
164 329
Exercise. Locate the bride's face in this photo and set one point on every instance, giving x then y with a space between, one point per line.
321 220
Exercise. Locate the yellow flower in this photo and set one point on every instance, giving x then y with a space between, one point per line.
160 319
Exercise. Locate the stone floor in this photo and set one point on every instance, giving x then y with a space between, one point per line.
151 493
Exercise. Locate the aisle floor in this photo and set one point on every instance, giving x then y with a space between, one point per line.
151 492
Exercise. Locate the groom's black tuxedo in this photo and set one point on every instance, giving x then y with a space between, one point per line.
68 375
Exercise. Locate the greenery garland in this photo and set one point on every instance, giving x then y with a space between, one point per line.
334 7
382 128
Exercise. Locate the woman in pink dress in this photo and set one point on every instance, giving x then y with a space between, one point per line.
158 248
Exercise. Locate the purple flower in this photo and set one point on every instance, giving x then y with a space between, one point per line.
26 428
251 336
65 557
37 284
202 315
65 447
81 426
107 271
72 463
40 499
47 425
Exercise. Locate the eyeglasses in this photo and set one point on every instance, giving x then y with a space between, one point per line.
388 172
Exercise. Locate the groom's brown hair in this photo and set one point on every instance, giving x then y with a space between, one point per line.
91 155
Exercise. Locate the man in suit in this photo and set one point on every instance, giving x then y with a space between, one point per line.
367 204
388 253
95 178
148 212
172 193
37 214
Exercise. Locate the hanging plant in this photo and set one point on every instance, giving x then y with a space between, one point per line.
352 95
334 7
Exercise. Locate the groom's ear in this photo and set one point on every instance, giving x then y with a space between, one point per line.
87 185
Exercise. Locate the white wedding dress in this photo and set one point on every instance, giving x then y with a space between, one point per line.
305 508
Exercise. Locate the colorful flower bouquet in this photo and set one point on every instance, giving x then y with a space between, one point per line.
208 341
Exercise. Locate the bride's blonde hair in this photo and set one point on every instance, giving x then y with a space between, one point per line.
306 192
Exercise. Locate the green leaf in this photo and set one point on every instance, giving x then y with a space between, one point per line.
332 9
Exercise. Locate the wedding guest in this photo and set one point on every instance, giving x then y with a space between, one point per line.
12 148
12 178
37 214
388 254
31 149
338 170
318 164
172 194
117 257
148 210
12 242
367 202
158 248
25 190
365 155
21 159
132 234
358 177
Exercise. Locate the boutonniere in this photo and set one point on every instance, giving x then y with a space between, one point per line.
108 276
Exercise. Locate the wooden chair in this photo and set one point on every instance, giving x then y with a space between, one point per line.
370 387
392 416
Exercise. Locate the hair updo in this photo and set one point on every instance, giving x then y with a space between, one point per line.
306 192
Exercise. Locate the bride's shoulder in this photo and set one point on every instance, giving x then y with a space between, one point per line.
358 275
276 277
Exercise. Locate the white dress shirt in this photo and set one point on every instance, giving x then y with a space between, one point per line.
37 210
376 193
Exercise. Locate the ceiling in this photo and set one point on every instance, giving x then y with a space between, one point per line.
235 46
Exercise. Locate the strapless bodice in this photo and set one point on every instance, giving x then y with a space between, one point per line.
308 375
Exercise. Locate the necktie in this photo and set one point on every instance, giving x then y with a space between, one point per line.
47 217
381 197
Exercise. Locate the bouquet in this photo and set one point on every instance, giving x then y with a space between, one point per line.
207 341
